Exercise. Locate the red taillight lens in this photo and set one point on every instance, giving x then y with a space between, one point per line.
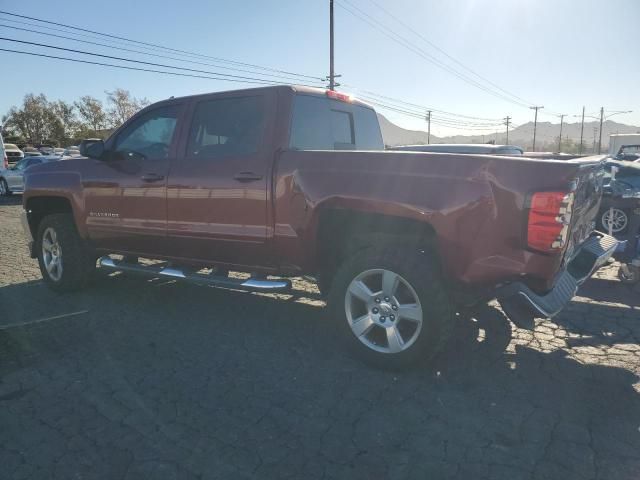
343 97
549 220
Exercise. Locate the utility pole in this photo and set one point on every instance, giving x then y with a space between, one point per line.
581 130
332 73
507 119
560 137
428 127
600 139
535 126
595 132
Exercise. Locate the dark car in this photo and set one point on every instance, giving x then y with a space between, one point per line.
619 198
287 181
470 148
629 153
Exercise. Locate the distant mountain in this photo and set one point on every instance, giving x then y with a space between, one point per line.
546 135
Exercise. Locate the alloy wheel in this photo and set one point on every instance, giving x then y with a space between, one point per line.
383 311
52 254
618 219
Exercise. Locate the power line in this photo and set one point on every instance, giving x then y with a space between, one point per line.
367 94
123 59
431 44
154 45
125 67
150 54
365 17
433 120
189 54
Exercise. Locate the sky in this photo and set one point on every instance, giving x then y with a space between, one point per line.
560 54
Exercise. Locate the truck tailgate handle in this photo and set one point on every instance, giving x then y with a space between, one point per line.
152 177
247 177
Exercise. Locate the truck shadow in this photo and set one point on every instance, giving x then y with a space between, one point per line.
235 360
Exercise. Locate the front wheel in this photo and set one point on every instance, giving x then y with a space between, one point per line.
4 188
65 262
391 306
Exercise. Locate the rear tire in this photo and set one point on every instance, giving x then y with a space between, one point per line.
408 316
65 261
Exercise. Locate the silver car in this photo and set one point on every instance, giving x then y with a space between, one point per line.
12 178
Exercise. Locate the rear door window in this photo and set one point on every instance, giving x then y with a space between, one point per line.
324 124
226 127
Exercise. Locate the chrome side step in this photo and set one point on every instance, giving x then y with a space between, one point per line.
249 284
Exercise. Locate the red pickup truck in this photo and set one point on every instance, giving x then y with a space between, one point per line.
287 181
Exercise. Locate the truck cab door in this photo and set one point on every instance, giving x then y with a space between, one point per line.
125 192
218 189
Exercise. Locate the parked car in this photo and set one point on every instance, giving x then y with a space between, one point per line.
12 178
31 152
287 181
470 148
620 196
13 153
58 151
630 153
45 149
71 152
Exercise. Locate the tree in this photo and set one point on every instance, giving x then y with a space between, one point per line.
122 106
67 124
91 113
35 120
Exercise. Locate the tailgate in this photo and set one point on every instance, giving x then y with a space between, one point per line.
588 193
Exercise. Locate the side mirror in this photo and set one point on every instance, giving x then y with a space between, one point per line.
92 148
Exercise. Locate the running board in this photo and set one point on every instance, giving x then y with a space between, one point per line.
249 284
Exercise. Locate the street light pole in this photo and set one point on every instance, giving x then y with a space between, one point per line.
535 125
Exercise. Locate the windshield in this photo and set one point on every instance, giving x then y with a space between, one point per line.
10 146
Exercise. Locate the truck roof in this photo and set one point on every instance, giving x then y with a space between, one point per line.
320 92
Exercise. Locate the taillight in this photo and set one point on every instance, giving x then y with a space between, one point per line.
343 97
549 220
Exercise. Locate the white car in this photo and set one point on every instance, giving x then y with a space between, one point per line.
12 178
13 153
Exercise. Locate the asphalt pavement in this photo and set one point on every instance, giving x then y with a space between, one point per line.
144 378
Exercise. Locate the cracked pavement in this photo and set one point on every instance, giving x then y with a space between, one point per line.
156 379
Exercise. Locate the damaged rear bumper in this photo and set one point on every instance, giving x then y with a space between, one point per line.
522 304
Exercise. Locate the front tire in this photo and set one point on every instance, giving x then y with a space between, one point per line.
391 306
65 261
4 188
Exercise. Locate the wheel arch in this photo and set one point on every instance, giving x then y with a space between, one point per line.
38 207
343 231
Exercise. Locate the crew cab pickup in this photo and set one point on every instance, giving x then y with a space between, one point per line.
287 181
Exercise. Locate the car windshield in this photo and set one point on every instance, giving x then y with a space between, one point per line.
10 146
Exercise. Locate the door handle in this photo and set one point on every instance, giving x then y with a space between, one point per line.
151 177
247 177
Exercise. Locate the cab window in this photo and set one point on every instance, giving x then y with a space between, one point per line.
226 127
149 136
